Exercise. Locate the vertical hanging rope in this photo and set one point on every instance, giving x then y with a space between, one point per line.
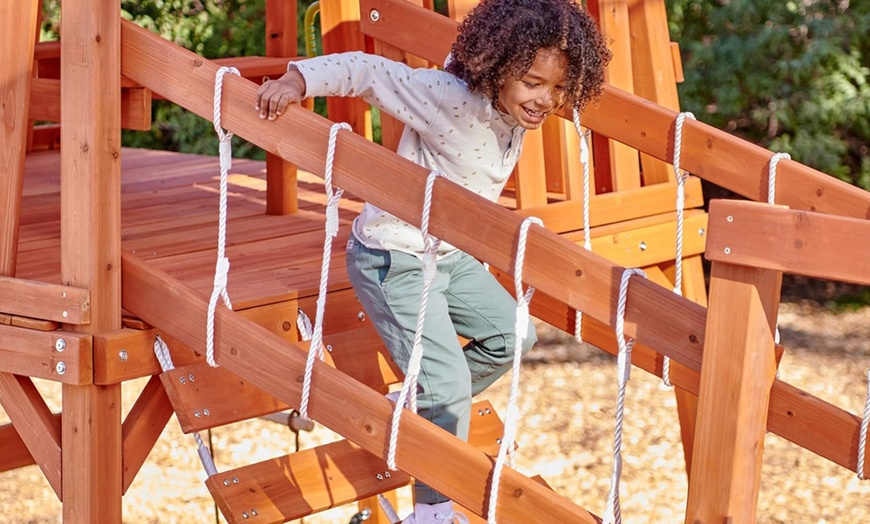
862 440
587 238
771 199
408 393
681 205
613 514
521 329
332 200
222 266
161 350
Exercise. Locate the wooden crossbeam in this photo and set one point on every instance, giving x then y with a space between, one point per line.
619 206
45 301
142 427
709 153
314 480
40 354
135 104
800 242
351 409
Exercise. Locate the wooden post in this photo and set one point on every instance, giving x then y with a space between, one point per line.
339 22
17 27
737 373
281 35
91 246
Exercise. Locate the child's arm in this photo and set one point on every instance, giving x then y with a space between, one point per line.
273 97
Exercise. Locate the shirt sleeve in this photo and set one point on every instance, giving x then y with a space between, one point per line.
410 95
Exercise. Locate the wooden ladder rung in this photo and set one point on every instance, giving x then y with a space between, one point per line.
205 397
317 479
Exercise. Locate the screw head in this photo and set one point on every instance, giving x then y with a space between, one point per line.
60 344
60 368
122 355
727 250
374 15
701 231
361 316
643 246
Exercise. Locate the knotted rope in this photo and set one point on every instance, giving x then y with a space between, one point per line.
222 266
587 239
520 330
408 393
332 200
681 176
613 514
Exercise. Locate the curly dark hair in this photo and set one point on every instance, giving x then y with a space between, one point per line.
499 40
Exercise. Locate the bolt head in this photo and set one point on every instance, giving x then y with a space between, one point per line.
60 367
60 344
374 15
122 355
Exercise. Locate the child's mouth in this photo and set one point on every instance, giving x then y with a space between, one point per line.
534 115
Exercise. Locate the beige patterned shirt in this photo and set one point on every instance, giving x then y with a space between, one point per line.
447 128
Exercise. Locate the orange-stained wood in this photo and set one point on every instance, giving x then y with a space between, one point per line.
46 301
709 153
143 426
17 30
44 354
39 428
353 410
797 242
135 104
736 377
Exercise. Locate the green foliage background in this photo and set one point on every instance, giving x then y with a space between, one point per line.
790 75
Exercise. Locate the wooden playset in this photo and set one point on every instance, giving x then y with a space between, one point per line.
102 249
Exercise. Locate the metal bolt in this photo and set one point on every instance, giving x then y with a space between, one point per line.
253 512
643 246
701 231
226 482
727 250
60 368
329 348
480 412
235 480
374 15
65 314
60 344
387 474
488 411
123 355
190 377
182 380
205 412
730 218
379 476
245 514
361 316
498 441
196 414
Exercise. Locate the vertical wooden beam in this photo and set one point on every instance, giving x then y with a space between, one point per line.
529 178
737 373
339 22
654 75
91 246
613 18
457 9
281 176
17 27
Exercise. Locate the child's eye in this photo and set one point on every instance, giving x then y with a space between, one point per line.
529 84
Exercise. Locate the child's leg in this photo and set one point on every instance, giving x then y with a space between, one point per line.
485 313
389 286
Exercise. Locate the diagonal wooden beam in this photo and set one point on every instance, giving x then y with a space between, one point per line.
142 428
38 426
344 405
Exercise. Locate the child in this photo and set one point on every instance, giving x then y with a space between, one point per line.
514 63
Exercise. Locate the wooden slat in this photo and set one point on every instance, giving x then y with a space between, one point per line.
135 104
711 154
270 363
39 428
17 31
142 427
302 483
616 207
34 354
14 452
314 480
127 354
799 242
736 378
46 301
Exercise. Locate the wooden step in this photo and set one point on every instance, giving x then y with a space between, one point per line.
314 480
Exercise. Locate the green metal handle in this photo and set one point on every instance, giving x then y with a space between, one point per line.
310 36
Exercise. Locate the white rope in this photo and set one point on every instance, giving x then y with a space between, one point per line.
862 441
681 205
587 238
613 514
771 199
165 359
506 449
332 200
304 325
222 266
408 393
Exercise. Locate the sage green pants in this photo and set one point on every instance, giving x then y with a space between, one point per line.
465 300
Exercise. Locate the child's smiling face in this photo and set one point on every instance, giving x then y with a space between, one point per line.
539 93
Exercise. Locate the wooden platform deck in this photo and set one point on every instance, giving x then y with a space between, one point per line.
170 204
